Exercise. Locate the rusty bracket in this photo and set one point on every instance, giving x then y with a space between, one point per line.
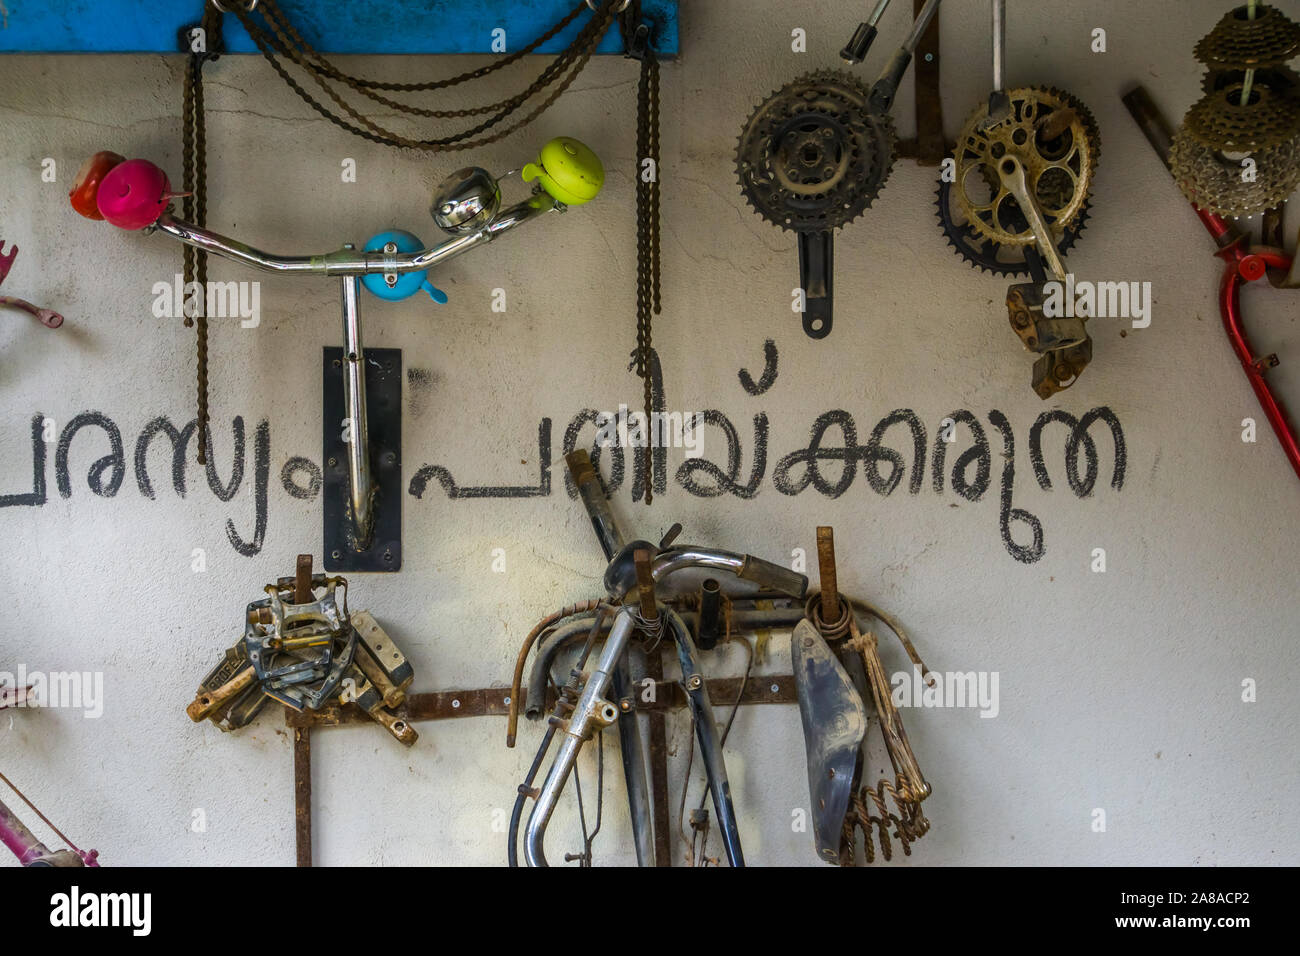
495 701
928 147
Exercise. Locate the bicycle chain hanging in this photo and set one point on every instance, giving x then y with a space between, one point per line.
277 39
636 39
194 204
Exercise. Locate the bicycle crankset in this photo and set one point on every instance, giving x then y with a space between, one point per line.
1015 202
1056 139
812 158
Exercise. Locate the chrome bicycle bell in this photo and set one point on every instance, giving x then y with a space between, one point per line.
466 201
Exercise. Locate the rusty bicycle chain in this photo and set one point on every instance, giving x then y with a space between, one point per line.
566 67
194 208
647 222
322 67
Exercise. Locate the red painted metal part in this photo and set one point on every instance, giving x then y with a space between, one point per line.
1244 264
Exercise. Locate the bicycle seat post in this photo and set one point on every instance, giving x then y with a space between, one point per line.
361 490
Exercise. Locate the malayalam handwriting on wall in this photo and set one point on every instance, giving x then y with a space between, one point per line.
961 455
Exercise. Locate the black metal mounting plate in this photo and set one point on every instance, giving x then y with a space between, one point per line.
384 409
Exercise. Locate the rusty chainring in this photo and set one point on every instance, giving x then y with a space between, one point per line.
1056 139
813 157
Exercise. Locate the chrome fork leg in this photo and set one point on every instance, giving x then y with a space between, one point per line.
574 735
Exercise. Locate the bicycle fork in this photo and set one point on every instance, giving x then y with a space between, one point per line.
593 712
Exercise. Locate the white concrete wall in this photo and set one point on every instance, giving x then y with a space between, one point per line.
1119 691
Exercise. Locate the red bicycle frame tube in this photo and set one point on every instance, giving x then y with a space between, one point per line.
1246 265
1241 264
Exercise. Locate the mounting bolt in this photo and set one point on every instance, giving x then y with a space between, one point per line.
333 462
695 682
775 688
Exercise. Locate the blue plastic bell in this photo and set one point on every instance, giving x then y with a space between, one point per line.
408 283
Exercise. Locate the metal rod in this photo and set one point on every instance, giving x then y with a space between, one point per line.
885 88
361 488
593 499
634 769
302 794
919 24
710 614
706 731
658 759
830 594
999 44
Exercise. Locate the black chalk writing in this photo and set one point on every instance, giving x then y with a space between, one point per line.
768 378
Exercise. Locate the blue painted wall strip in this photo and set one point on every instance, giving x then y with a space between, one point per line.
331 26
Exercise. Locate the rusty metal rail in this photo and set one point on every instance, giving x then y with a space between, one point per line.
495 702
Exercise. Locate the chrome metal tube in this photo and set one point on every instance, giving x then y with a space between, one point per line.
999 44
746 566
676 559
346 261
877 13
361 488
573 736
918 26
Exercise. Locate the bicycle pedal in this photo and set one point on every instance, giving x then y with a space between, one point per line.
242 708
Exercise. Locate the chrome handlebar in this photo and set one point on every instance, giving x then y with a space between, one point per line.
349 262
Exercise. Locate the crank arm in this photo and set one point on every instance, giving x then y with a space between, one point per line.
1012 172
47 317
816 270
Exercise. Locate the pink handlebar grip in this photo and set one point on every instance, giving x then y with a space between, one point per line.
134 194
